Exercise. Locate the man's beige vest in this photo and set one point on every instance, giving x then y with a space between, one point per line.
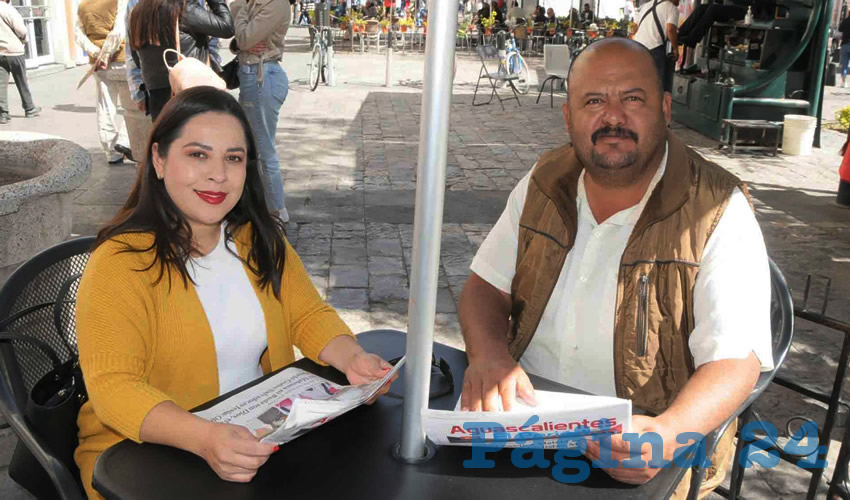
97 18
654 314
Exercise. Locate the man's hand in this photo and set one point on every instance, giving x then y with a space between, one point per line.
234 453
487 380
620 450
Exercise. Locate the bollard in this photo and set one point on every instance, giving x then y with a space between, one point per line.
331 81
843 197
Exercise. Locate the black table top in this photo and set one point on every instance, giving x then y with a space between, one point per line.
351 457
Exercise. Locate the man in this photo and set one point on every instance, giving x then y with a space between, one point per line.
624 265
658 22
844 29
13 34
96 23
587 15
692 31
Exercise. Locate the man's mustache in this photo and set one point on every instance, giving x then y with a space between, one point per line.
613 132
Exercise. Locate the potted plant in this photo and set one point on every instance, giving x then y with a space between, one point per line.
488 23
407 24
385 24
344 22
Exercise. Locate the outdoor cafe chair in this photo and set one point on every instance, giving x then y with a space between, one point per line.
38 302
490 53
556 64
373 34
782 333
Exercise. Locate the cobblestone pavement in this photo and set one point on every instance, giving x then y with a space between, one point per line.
349 155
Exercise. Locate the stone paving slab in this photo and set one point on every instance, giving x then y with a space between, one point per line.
349 157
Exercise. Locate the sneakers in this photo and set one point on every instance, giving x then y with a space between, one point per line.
32 113
125 152
5 118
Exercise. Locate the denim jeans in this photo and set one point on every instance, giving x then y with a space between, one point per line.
262 106
845 57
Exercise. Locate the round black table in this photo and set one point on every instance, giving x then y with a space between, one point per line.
351 458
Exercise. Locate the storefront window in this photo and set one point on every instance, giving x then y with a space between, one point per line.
36 14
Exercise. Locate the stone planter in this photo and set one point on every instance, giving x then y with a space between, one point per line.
38 174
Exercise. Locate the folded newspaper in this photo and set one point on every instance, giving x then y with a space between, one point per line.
291 403
557 415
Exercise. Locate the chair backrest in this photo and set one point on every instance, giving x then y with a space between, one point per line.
782 334
486 52
781 320
38 301
556 59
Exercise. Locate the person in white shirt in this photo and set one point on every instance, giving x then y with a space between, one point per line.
623 265
658 22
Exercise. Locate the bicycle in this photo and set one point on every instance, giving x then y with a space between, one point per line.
513 64
319 59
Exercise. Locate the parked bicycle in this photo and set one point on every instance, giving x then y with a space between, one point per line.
320 57
513 64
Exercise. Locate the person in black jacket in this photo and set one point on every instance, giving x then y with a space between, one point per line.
152 31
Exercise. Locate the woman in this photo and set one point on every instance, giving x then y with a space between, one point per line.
152 24
263 84
540 15
192 291
550 16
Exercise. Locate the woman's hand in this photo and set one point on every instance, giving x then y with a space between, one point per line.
234 453
367 367
346 355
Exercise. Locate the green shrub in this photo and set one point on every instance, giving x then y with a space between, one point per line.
843 117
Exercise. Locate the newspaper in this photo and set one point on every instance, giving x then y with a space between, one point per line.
291 403
557 415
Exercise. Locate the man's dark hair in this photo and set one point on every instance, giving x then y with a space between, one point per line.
595 46
149 208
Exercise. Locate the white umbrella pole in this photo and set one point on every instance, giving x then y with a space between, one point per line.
428 221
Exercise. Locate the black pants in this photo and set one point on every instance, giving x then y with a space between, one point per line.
664 65
697 24
17 67
157 99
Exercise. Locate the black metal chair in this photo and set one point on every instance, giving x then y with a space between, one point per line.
782 330
490 53
38 302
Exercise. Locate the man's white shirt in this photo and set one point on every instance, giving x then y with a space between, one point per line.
647 33
574 341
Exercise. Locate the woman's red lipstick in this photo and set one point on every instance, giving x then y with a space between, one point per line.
211 197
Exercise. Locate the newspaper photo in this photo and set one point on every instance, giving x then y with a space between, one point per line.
292 403
557 415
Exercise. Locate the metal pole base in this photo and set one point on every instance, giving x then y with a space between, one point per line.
388 82
430 451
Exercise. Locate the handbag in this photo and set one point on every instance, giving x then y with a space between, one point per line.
51 412
230 74
189 72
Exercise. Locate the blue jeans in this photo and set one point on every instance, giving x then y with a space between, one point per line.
262 106
845 58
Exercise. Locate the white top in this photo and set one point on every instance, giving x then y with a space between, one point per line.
234 313
647 32
574 342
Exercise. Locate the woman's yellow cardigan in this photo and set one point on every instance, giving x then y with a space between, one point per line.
141 344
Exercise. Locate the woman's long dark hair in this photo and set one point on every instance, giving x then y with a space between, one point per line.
149 209
152 23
